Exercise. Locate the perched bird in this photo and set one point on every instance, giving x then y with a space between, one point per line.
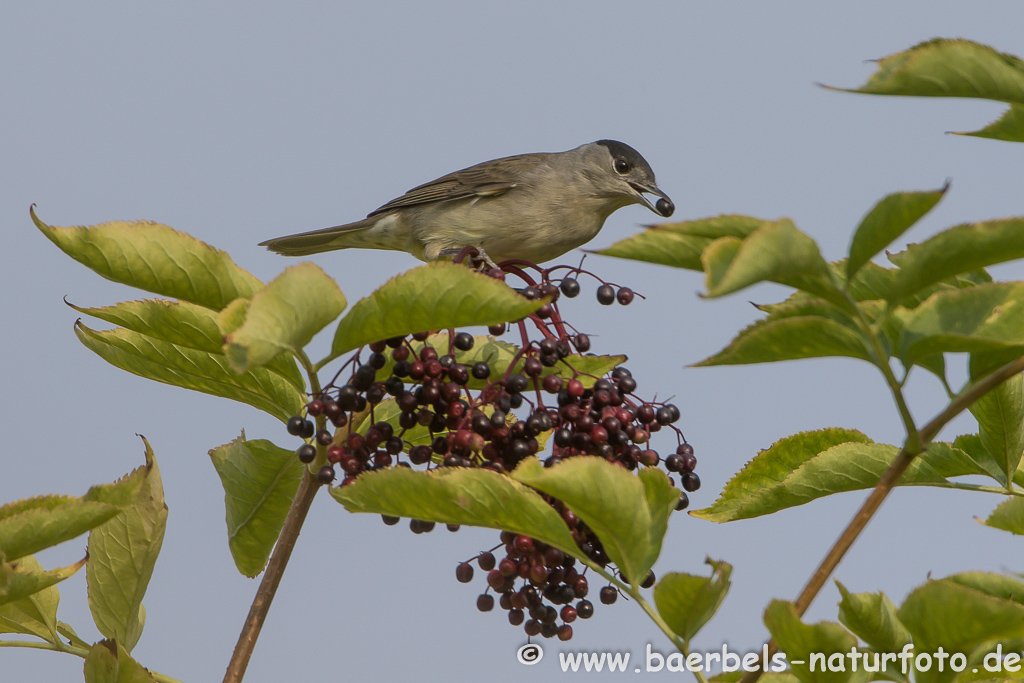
530 207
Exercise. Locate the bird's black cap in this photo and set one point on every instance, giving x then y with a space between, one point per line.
621 150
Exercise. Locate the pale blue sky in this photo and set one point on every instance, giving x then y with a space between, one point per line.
237 122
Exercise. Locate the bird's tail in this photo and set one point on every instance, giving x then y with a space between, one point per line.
326 239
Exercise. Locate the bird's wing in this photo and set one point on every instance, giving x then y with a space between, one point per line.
488 179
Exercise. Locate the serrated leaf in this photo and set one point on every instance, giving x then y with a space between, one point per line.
34 615
437 296
122 555
260 481
686 602
982 318
887 220
812 465
1008 127
681 244
1000 416
284 316
629 513
30 525
456 495
155 258
19 580
190 369
960 249
717 259
958 618
775 252
808 647
109 662
1008 516
873 617
944 67
781 337
184 324
972 446
997 585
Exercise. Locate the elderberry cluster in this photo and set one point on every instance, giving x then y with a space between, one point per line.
455 400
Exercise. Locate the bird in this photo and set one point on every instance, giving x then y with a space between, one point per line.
530 207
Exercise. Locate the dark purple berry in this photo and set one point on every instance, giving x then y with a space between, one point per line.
570 287
326 474
648 580
609 595
464 573
485 603
516 384
624 296
690 482
306 453
683 503
585 609
481 370
295 425
605 295
486 561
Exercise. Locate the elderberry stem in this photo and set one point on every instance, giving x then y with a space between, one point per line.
308 488
885 484
272 578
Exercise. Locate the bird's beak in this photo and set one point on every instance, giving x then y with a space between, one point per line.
664 206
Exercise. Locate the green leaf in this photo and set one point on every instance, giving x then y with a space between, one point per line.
34 615
873 617
30 525
777 252
437 296
812 465
890 218
686 602
19 580
958 618
822 647
944 67
1000 416
183 324
1008 127
983 318
260 481
681 244
191 369
109 662
971 445
781 337
155 258
456 495
629 513
997 585
1008 516
960 249
284 316
122 554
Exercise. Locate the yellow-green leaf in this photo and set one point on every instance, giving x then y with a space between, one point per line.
155 258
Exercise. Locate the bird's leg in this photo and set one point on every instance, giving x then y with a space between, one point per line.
453 252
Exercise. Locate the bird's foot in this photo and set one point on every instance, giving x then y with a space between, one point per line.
459 254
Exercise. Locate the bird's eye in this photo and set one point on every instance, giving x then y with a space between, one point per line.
621 166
